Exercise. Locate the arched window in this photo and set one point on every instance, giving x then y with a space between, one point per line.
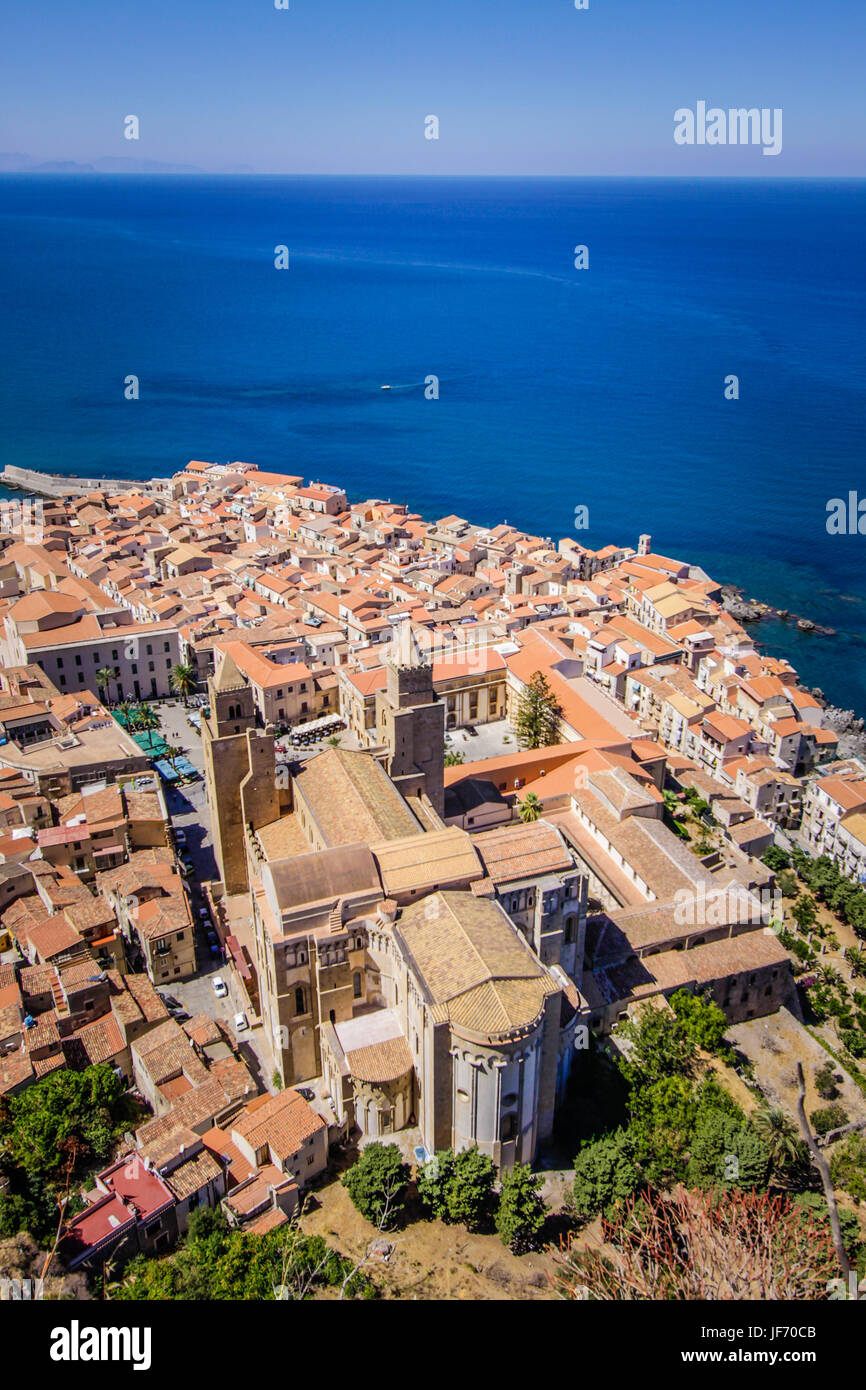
299 1000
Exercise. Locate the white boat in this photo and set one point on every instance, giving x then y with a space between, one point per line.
384 388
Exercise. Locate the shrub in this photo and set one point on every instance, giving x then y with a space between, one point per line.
522 1208
828 1117
848 1166
458 1187
776 858
377 1184
702 1019
703 1246
825 1081
605 1173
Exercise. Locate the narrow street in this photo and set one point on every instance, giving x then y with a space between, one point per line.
190 814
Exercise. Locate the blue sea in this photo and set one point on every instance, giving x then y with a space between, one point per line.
557 387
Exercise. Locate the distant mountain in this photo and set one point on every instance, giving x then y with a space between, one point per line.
109 164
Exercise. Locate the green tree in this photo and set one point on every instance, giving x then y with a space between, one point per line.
786 882
828 1117
848 1166
104 677
469 1188
531 808
538 715
776 858
857 961
67 1108
522 1208
215 1262
787 1151
458 1187
454 757
702 1020
377 1182
147 720
825 1081
124 714
183 680
606 1172
804 911
728 1152
659 1046
431 1184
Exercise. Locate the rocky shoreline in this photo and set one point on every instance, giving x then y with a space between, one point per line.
844 722
753 611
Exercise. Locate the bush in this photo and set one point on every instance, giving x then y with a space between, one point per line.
786 882
522 1208
855 1041
848 1166
702 1019
458 1187
377 1184
727 1151
605 1173
825 1081
216 1262
828 1117
776 858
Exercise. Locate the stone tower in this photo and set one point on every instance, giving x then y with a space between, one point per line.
234 749
410 720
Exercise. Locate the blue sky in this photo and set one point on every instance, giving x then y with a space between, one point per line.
519 86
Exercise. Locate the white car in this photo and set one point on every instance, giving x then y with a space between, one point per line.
180 837
219 986
240 1022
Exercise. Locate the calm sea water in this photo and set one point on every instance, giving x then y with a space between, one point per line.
557 387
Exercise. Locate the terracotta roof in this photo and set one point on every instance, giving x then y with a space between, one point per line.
381 1061
283 1123
475 967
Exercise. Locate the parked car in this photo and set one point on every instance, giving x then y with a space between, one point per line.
240 1022
306 1091
180 837
219 987
180 1015
170 1001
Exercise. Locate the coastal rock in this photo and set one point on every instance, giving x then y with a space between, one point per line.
745 611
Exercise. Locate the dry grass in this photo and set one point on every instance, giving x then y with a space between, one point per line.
431 1261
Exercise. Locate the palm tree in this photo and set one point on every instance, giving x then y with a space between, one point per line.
530 808
172 753
124 711
183 680
147 720
104 676
828 976
857 960
780 1137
